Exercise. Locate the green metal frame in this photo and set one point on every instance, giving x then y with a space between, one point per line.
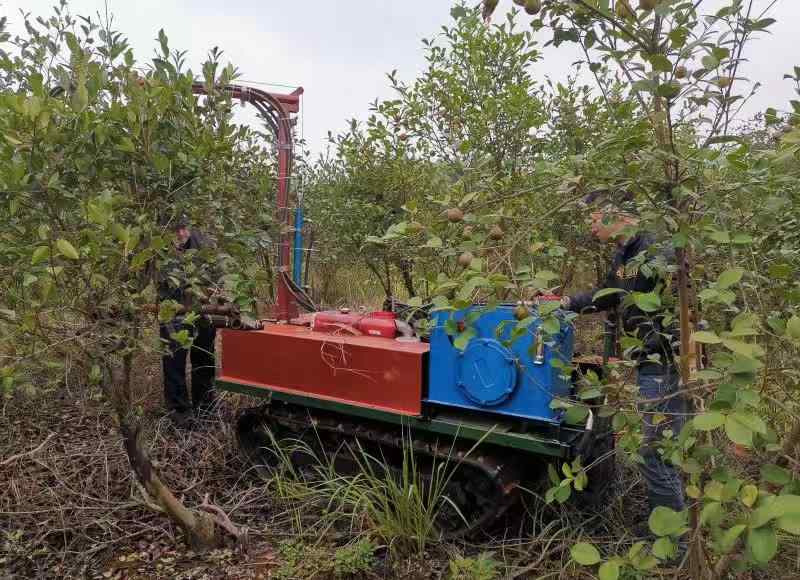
494 434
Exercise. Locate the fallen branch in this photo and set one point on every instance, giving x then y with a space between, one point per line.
13 458
220 518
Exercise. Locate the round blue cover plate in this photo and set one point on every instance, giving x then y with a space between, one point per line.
488 373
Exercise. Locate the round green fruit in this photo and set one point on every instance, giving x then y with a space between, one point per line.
533 6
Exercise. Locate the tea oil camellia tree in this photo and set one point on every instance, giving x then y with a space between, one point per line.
668 90
477 118
703 187
96 158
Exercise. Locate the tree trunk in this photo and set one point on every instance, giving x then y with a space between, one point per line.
202 529
406 266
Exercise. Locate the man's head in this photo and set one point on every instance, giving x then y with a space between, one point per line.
610 216
182 231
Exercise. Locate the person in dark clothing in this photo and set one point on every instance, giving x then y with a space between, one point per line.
174 284
640 271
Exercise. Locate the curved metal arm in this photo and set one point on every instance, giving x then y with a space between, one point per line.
277 110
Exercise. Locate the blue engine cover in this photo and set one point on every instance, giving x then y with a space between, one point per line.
517 380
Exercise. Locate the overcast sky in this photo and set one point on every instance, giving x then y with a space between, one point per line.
340 50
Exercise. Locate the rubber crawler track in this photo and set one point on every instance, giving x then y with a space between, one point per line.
483 484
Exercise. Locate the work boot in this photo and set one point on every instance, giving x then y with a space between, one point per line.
181 419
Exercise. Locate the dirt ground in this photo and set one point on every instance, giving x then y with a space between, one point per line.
70 509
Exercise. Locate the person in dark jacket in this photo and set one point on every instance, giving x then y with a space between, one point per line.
183 278
641 273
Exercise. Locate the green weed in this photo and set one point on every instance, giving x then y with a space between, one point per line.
302 560
482 567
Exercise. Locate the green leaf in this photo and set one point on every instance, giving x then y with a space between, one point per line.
738 432
648 302
709 421
552 474
551 325
793 327
664 521
747 349
80 98
730 277
125 144
548 308
606 292
664 548
585 554
775 474
710 62
67 249
576 414
763 544
790 523
546 275
609 571
720 236
712 513
40 254
162 39
749 495
753 422
706 337
669 90
788 507
660 63
462 340
728 539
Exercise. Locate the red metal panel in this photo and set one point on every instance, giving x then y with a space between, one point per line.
379 373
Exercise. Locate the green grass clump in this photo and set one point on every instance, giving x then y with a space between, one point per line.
482 567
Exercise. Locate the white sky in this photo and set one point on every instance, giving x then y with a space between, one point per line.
340 50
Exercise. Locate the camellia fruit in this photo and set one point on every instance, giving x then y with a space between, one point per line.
648 4
520 2
455 215
496 233
468 231
681 72
724 82
521 312
465 259
533 6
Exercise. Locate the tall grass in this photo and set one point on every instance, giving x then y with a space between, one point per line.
400 504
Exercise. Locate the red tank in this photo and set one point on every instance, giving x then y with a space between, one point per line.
373 324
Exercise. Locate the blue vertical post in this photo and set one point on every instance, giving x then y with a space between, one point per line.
297 266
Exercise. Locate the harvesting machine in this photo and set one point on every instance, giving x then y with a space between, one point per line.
334 377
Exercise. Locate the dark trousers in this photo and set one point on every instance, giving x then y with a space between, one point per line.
173 363
663 480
